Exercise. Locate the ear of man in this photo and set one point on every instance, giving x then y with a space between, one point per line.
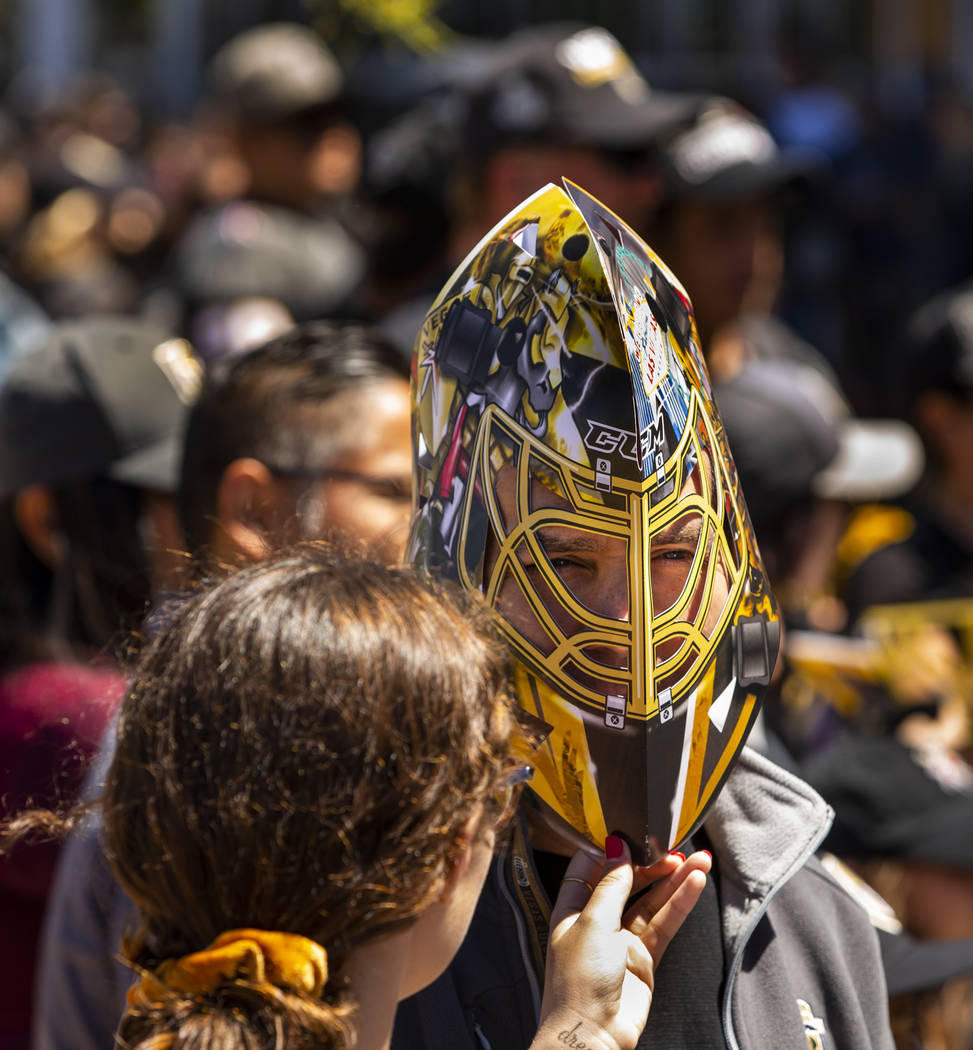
254 509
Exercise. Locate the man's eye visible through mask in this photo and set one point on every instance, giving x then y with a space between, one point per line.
559 563
676 554
565 563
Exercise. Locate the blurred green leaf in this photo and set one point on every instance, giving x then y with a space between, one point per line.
348 25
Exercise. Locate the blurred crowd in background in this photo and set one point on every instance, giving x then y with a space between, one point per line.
821 227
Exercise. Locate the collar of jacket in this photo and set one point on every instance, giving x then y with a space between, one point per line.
763 827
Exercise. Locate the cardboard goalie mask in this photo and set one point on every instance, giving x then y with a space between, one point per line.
571 464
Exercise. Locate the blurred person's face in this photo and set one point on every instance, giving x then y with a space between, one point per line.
719 251
14 195
946 424
159 534
366 494
939 902
113 116
276 163
517 171
803 548
335 161
299 165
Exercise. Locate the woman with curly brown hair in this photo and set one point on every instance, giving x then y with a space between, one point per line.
314 759
281 809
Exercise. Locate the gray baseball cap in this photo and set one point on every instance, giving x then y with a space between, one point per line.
793 435
274 72
105 395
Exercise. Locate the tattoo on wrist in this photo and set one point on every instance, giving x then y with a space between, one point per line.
574 1038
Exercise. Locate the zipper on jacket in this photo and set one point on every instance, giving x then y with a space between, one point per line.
513 863
737 960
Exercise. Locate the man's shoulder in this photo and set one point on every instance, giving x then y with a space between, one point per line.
821 886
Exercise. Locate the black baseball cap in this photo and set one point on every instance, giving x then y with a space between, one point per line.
274 72
914 966
104 395
568 83
725 152
793 435
937 350
910 965
893 801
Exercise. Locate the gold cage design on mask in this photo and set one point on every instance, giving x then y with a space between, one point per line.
680 648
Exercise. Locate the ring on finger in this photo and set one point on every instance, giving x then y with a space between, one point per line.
584 882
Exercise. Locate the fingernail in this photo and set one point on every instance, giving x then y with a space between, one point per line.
707 852
614 847
676 853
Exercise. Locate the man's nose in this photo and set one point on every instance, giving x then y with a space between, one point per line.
611 598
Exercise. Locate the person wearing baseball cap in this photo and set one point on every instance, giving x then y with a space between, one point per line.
90 428
727 185
929 556
806 460
277 95
717 217
564 100
558 99
807 463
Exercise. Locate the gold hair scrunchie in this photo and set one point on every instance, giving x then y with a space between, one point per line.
285 960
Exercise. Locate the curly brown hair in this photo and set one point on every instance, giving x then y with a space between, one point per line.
299 750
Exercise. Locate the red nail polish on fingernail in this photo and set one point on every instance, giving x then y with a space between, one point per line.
676 853
614 847
707 852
